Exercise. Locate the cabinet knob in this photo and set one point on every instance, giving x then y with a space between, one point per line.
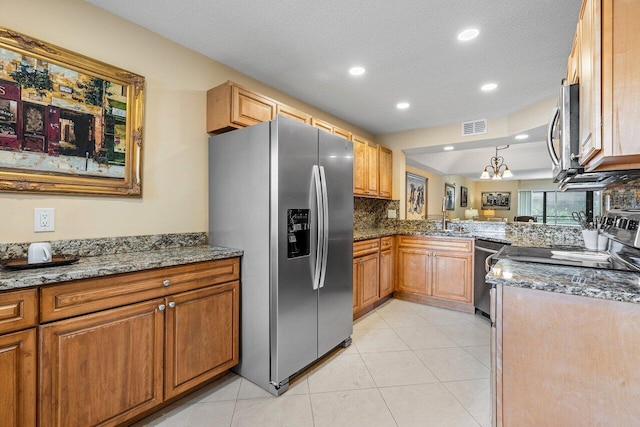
172 304
166 282
161 307
372 245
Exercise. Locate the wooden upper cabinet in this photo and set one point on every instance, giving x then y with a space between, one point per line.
18 378
342 132
573 64
321 124
359 166
589 76
385 158
249 108
372 169
292 113
230 106
609 57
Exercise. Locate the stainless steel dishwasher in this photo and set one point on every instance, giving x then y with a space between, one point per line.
483 250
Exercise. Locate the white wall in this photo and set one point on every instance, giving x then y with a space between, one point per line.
175 170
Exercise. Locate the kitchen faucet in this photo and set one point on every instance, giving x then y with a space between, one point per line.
444 213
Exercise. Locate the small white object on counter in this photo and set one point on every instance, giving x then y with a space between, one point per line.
590 239
39 253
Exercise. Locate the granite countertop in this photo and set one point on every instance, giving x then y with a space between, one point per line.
515 239
588 282
102 265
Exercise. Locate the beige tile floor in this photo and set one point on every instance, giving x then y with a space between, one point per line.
409 365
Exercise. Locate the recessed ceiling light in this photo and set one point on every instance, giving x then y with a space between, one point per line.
522 136
356 71
448 148
402 105
468 34
488 86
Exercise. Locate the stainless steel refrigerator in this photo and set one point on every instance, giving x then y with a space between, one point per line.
283 192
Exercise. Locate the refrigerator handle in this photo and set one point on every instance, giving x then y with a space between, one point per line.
318 269
325 225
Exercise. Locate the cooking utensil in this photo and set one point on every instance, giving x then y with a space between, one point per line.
581 218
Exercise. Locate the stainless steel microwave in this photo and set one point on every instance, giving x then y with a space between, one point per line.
563 135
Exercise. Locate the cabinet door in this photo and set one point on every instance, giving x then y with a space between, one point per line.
102 368
357 284
414 271
386 272
202 336
589 76
370 275
342 132
292 113
385 157
249 108
372 169
452 276
573 64
18 379
321 124
359 165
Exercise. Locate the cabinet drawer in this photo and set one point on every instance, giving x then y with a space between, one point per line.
437 243
89 295
18 310
365 247
386 242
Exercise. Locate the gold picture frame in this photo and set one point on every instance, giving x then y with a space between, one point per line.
69 124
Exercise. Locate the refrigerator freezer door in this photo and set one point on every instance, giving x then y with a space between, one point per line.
294 152
335 315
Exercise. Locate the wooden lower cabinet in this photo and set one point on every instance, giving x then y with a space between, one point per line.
102 368
414 270
565 360
202 336
18 379
373 273
452 276
129 356
369 267
386 272
436 271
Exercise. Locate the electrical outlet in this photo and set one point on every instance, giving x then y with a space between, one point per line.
391 213
44 219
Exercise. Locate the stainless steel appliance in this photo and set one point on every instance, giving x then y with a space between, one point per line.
622 227
563 144
563 141
283 192
484 249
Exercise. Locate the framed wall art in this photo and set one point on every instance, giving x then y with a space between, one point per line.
464 195
416 197
68 123
450 196
496 200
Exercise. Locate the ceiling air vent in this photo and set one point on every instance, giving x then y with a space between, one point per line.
474 127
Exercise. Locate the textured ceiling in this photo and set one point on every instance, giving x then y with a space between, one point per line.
409 48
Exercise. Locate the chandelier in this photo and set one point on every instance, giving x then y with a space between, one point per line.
496 169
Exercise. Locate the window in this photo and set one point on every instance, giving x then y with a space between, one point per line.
555 207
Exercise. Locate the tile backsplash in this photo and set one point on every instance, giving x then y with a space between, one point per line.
623 197
373 213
